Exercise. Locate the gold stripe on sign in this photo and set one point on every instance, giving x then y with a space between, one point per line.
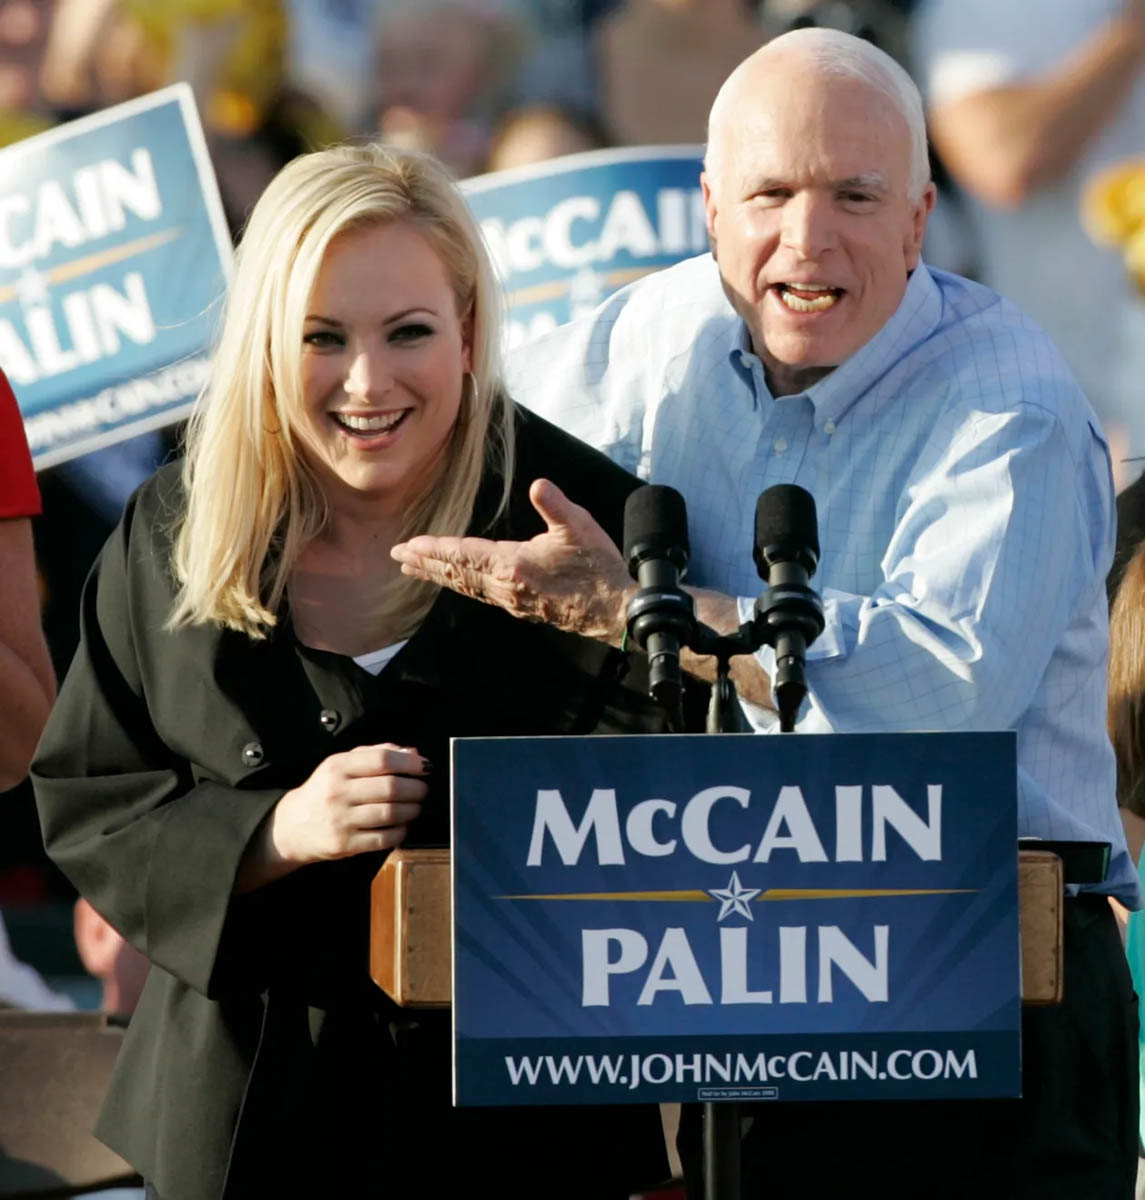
95 262
770 894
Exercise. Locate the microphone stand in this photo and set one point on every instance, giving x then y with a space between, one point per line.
724 712
675 610
672 609
721 1122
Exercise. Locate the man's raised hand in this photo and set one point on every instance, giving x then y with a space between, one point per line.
571 576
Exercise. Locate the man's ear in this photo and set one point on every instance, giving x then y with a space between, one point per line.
913 244
709 210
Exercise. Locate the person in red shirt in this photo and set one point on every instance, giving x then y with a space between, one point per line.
27 682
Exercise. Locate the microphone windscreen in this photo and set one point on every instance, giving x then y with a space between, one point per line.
656 524
785 517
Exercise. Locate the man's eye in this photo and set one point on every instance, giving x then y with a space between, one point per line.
860 199
410 333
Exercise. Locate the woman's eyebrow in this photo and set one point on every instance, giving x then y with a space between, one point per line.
398 316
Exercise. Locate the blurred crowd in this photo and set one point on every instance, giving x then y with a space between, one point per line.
1028 105
484 84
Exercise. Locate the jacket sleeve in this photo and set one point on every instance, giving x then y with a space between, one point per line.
150 842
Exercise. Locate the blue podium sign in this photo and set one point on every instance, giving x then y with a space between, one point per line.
569 232
730 917
113 254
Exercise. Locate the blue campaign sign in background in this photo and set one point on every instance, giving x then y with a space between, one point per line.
569 232
681 917
114 253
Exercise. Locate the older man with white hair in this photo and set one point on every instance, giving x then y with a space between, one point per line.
966 523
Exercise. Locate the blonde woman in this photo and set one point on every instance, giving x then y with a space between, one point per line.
261 707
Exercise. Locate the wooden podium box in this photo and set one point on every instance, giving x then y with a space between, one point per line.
409 928
410 920
1040 897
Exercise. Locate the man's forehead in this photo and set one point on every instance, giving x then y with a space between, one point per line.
788 77
864 144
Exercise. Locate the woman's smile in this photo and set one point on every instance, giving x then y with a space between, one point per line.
366 427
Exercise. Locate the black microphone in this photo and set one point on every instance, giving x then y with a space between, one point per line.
789 615
661 616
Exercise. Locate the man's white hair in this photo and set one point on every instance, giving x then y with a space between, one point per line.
846 56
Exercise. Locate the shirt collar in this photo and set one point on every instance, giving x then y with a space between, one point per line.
913 321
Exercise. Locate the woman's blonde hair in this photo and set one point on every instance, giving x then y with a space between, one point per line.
252 502
1126 711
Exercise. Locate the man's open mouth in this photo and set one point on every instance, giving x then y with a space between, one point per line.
807 297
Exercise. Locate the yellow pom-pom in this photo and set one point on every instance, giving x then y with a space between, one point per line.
1113 203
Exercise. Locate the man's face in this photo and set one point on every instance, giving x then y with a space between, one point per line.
810 218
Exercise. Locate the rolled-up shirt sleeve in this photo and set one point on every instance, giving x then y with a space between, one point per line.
1000 547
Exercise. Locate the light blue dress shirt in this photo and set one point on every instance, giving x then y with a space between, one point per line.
965 502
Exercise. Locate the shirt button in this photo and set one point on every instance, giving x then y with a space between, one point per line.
252 754
330 719
780 445
829 427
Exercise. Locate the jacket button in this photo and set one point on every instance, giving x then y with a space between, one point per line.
330 719
252 754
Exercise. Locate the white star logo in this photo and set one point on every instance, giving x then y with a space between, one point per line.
734 898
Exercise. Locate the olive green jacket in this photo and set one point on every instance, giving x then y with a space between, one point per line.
162 757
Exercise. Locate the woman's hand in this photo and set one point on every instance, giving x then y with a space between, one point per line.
358 801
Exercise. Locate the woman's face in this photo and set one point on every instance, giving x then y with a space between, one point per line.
384 353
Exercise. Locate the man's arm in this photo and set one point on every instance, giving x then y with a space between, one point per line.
1003 142
27 682
1003 530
